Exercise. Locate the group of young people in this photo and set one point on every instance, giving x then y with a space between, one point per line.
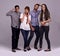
28 22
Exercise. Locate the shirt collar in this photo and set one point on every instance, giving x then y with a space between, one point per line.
35 11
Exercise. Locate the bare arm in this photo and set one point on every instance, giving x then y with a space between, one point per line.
47 21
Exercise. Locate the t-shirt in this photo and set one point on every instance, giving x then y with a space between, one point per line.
44 20
24 25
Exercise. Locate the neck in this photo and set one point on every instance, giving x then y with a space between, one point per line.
16 11
35 10
26 13
44 11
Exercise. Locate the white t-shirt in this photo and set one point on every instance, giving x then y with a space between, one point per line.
24 25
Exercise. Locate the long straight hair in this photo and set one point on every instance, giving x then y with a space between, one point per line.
46 13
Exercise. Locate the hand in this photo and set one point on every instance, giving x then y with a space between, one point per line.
13 9
32 28
43 23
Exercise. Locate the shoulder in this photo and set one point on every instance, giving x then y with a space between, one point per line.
39 10
29 15
31 11
21 13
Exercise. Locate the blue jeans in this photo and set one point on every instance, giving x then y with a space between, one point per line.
25 36
37 33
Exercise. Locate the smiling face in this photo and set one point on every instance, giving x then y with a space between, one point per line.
43 7
27 9
17 9
36 7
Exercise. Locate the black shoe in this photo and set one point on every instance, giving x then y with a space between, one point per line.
40 49
35 48
47 50
18 49
28 48
25 50
13 50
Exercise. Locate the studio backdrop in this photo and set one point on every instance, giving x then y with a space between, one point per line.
5 22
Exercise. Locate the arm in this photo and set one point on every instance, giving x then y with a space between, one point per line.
21 18
32 28
49 18
10 12
47 21
44 22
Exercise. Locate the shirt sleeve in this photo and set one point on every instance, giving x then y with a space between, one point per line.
39 11
49 15
9 13
21 16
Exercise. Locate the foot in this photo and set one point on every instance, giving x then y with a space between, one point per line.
25 50
18 49
13 50
28 48
39 49
35 48
47 50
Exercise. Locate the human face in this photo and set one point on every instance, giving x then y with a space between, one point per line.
36 7
43 7
17 9
26 11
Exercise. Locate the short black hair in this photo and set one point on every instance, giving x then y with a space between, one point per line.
17 6
28 8
37 4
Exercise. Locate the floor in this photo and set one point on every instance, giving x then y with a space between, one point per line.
7 52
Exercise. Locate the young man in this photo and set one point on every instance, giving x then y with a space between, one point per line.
34 25
15 25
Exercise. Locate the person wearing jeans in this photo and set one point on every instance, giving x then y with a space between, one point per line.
34 26
25 25
44 20
15 27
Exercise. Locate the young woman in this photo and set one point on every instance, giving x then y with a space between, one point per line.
44 19
25 27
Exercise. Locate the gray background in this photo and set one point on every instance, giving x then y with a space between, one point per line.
5 22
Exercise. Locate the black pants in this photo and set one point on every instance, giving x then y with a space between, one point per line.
36 31
44 29
25 36
15 37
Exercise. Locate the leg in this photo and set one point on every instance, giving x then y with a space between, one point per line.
47 36
41 36
27 32
30 38
17 37
37 31
25 37
13 39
